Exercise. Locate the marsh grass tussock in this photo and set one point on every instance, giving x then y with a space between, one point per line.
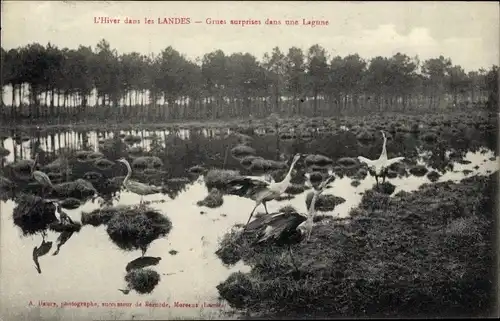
240 151
295 189
418 170
197 169
219 178
385 188
214 199
433 176
101 216
79 189
33 215
135 227
319 160
325 202
103 163
385 262
143 281
144 162
70 203
260 165
247 160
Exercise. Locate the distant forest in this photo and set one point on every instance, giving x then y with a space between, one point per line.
96 83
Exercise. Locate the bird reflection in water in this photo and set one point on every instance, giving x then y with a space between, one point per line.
41 250
137 264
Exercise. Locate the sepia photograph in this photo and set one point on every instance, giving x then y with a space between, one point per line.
215 160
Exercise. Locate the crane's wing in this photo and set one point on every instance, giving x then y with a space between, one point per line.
365 160
393 161
279 223
246 186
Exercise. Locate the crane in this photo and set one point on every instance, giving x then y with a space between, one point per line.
41 177
289 227
379 166
260 190
137 187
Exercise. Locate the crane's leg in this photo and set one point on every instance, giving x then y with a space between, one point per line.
376 179
383 178
265 206
251 214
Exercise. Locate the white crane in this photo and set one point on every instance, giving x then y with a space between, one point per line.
379 166
41 177
260 190
137 187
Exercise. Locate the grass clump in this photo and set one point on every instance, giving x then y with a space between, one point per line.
295 189
433 176
347 162
260 164
88 156
325 202
385 188
197 169
143 281
79 189
70 203
247 160
219 178
135 228
132 139
318 160
419 170
355 183
22 169
101 216
419 256
214 199
32 214
240 151
103 163
144 162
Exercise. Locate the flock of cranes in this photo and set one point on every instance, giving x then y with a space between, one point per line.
283 228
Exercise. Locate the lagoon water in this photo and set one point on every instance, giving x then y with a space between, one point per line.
90 267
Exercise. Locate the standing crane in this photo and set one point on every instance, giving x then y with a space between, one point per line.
261 190
379 166
137 187
289 227
41 177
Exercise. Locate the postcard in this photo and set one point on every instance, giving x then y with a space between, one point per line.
165 160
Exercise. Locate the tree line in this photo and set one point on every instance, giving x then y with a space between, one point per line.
47 82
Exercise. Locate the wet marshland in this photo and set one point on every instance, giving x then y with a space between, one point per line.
186 162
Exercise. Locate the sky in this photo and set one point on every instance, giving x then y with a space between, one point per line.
466 32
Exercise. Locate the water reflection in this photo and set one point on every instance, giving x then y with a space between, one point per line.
91 267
